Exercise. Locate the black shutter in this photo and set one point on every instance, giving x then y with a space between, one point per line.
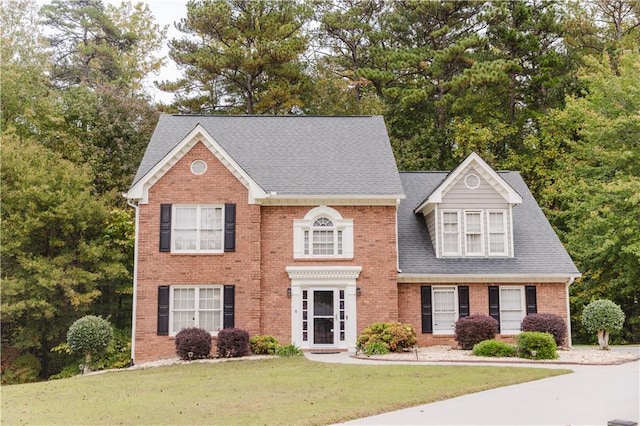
229 227
163 310
229 306
494 304
425 301
531 299
165 227
463 301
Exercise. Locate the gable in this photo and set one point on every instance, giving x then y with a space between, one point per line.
287 158
458 181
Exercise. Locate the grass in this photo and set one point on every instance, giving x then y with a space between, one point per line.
273 391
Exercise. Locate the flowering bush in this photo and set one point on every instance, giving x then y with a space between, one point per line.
264 345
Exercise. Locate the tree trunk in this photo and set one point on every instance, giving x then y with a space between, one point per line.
87 361
603 339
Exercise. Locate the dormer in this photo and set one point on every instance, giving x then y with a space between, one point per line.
469 215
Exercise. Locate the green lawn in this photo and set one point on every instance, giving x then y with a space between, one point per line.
273 391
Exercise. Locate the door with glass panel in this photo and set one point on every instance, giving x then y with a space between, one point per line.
324 317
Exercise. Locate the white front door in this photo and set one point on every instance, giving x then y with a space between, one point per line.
323 307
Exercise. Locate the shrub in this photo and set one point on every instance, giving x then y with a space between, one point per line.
89 335
546 323
21 368
263 345
393 335
233 342
536 345
494 348
193 343
474 329
289 350
375 348
602 316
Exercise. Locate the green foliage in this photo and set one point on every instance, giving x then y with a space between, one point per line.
602 314
240 57
19 367
264 345
289 350
536 345
375 348
89 334
494 348
393 335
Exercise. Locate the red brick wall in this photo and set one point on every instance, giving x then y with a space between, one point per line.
374 251
551 298
241 268
264 248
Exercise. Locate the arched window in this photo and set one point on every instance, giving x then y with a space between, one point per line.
323 233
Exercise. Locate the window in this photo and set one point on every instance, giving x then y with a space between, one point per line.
445 310
323 239
450 232
323 233
497 229
198 306
198 228
512 309
473 233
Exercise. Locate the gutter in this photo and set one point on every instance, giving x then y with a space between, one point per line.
134 204
569 282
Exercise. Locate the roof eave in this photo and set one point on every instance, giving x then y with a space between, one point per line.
488 278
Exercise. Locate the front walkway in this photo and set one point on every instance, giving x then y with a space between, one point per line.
592 395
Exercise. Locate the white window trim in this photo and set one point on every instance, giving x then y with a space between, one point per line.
197 289
505 233
458 215
482 232
434 289
523 308
199 207
306 224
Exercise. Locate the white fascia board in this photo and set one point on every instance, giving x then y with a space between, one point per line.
510 195
274 199
140 190
486 278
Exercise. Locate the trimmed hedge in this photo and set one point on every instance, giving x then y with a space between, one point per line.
536 345
233 343
494 348
546 323
474 329
193 343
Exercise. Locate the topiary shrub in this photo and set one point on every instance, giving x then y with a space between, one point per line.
395 336
233 342
494 348
89 335
602 316
546 323
263 345
536 345
289 350
474 329
193 343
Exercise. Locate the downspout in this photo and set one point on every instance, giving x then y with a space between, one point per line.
135 281
397 243
569 282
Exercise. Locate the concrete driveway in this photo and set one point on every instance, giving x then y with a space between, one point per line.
592 395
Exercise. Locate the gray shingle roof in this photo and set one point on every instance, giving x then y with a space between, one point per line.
293 154
538 249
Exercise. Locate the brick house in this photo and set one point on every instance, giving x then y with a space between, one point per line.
302 228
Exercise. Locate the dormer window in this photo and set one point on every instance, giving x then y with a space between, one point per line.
473 233
323 233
